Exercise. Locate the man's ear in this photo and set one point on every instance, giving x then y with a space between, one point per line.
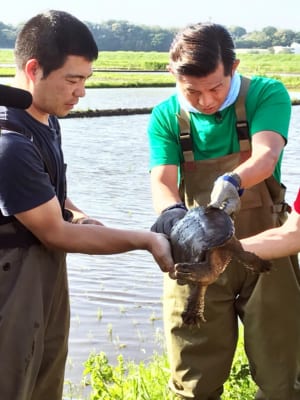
235 65
33 69
170 69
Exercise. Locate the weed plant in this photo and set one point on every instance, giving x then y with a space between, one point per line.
149 380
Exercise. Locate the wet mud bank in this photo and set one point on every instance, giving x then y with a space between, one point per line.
123 111
108 113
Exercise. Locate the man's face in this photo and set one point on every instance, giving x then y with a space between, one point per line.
208 93
60 91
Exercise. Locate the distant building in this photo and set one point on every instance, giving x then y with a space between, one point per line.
295 47
282 49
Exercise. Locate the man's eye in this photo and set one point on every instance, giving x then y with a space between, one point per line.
216 89
72 80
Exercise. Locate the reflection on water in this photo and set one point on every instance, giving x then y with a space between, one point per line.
122 98
116 300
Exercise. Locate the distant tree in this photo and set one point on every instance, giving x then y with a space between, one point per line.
260 39
7 36
283 37
269 31
161 40
115 35
237 31
245 44
297 37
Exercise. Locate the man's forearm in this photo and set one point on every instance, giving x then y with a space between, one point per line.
277 242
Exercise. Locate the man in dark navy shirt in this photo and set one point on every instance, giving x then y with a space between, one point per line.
38 223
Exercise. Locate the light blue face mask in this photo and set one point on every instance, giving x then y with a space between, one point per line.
230 99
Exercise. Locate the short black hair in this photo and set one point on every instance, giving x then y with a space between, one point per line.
51 37
198 49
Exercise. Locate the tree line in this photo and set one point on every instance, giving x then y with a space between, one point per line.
121 35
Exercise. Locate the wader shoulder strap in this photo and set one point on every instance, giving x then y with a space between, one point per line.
48 164
22 237
185 135
13 127
242 126
10 126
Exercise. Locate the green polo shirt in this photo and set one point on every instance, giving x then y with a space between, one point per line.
268 108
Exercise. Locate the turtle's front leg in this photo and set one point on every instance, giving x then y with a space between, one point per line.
193 272
250 260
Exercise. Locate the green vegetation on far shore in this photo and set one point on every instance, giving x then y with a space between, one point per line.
130 79
128 68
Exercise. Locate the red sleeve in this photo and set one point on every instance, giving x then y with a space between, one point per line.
297 203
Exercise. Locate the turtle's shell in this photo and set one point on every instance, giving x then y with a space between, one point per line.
201 229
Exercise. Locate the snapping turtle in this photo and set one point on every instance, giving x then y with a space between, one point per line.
203 243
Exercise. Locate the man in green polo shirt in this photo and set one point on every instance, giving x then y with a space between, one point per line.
202 152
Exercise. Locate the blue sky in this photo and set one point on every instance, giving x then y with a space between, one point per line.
251 14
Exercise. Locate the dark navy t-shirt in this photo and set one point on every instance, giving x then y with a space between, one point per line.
24 180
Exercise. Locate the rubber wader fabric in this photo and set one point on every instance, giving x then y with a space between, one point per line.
268 304
34 321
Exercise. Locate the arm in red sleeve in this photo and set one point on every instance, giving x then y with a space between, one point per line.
297 203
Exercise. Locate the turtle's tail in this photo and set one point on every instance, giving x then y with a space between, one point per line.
201 303
194 312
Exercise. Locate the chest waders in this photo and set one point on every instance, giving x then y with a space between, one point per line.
268 305
34 314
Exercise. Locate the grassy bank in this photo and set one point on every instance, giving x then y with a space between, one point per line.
130 79
124 69
155 61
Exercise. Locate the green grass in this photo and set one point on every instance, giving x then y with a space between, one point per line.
269 63
138 60
109 64
126 60
128 380
129 79
6 56
132 60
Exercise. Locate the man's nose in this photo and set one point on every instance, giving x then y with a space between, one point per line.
80 91
205 99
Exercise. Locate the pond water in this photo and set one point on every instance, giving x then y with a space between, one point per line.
122 98
116 300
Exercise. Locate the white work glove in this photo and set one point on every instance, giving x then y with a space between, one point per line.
226 193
